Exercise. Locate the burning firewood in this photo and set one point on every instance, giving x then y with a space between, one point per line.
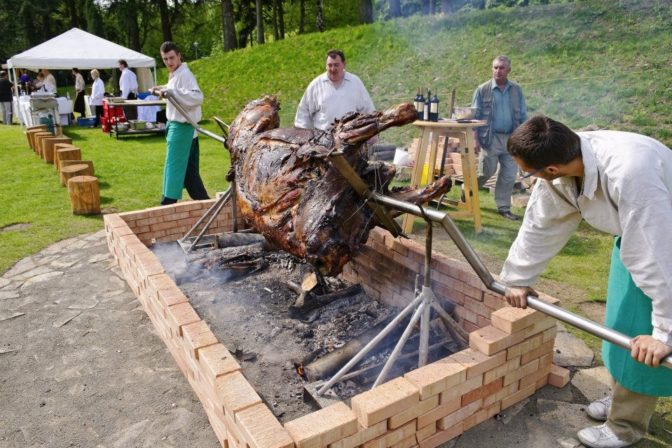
289 191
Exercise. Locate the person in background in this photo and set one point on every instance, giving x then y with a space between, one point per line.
80 87
332 95
620 183
500 102
97 94
6 97
46 82
128 84
181 169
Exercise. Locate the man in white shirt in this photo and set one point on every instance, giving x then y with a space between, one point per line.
620 183
332 95
97 94
128 84
48 82
181 168
80 85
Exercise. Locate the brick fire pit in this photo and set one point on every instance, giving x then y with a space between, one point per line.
509 357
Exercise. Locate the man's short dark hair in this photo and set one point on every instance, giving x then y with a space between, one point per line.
168 46
76 70
542 141
334 52
3 74
123 62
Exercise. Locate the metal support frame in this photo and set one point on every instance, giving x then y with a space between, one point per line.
421 306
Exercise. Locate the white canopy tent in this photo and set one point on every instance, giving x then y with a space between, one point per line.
77 48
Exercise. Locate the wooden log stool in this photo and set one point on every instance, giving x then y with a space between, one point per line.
37 139
67 153
33 129
68 172
65 163
48 146
84 195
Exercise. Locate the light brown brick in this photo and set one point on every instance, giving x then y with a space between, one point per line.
498 372
499 396
528 344
540 326
445 408
534 377
425 432
362 435
411 413
490 340
436 377
461 389
476 362
442 436
523 370
456 417
558 376
511 320
393 437
260 429
408 442
537 352
483 391
384 401
197 335
216 361
320 428
235 392
518 396
180 315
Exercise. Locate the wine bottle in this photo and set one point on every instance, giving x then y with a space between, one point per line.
434 108
420 104
425 113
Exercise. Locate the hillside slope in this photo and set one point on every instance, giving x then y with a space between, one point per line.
591 62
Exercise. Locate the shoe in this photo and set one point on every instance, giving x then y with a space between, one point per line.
508 215
599 409
462 197
601 437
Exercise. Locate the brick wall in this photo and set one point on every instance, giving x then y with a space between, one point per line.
508 359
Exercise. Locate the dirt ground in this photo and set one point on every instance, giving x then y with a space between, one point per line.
80 363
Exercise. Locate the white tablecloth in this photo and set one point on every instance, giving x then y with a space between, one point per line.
25 114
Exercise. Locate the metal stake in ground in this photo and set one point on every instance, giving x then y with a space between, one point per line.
422 303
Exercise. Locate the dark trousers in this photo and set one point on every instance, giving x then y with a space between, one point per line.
98 112
131 112
192 179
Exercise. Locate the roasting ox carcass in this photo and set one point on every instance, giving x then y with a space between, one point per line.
288 189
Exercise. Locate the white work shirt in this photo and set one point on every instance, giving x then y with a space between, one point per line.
49 83
322 103
182 83
128 82
97 93
627 191
79 82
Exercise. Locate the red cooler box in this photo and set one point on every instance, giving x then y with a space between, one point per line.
111 113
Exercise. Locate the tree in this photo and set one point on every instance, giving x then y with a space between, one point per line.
228 26
319 15
395 8
365 11
164 13
302 16
260 22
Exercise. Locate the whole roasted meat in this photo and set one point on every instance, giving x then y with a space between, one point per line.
288 189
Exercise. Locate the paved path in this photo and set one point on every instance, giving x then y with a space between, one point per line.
81 366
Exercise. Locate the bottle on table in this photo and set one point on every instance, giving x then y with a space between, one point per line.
434 108
427 105
419 104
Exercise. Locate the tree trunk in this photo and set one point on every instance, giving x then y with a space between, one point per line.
276 29
302 16
84 195
260 22
365 11
425 6
281 19
395 9
447 6
228 26
319 16
165 20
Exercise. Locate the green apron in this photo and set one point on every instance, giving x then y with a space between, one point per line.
178 143
629 311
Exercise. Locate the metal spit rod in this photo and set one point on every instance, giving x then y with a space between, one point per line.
473 259
175 102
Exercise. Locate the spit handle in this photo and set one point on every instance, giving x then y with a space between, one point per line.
175 102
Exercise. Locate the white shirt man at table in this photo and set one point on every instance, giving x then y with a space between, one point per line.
332 95
128 84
